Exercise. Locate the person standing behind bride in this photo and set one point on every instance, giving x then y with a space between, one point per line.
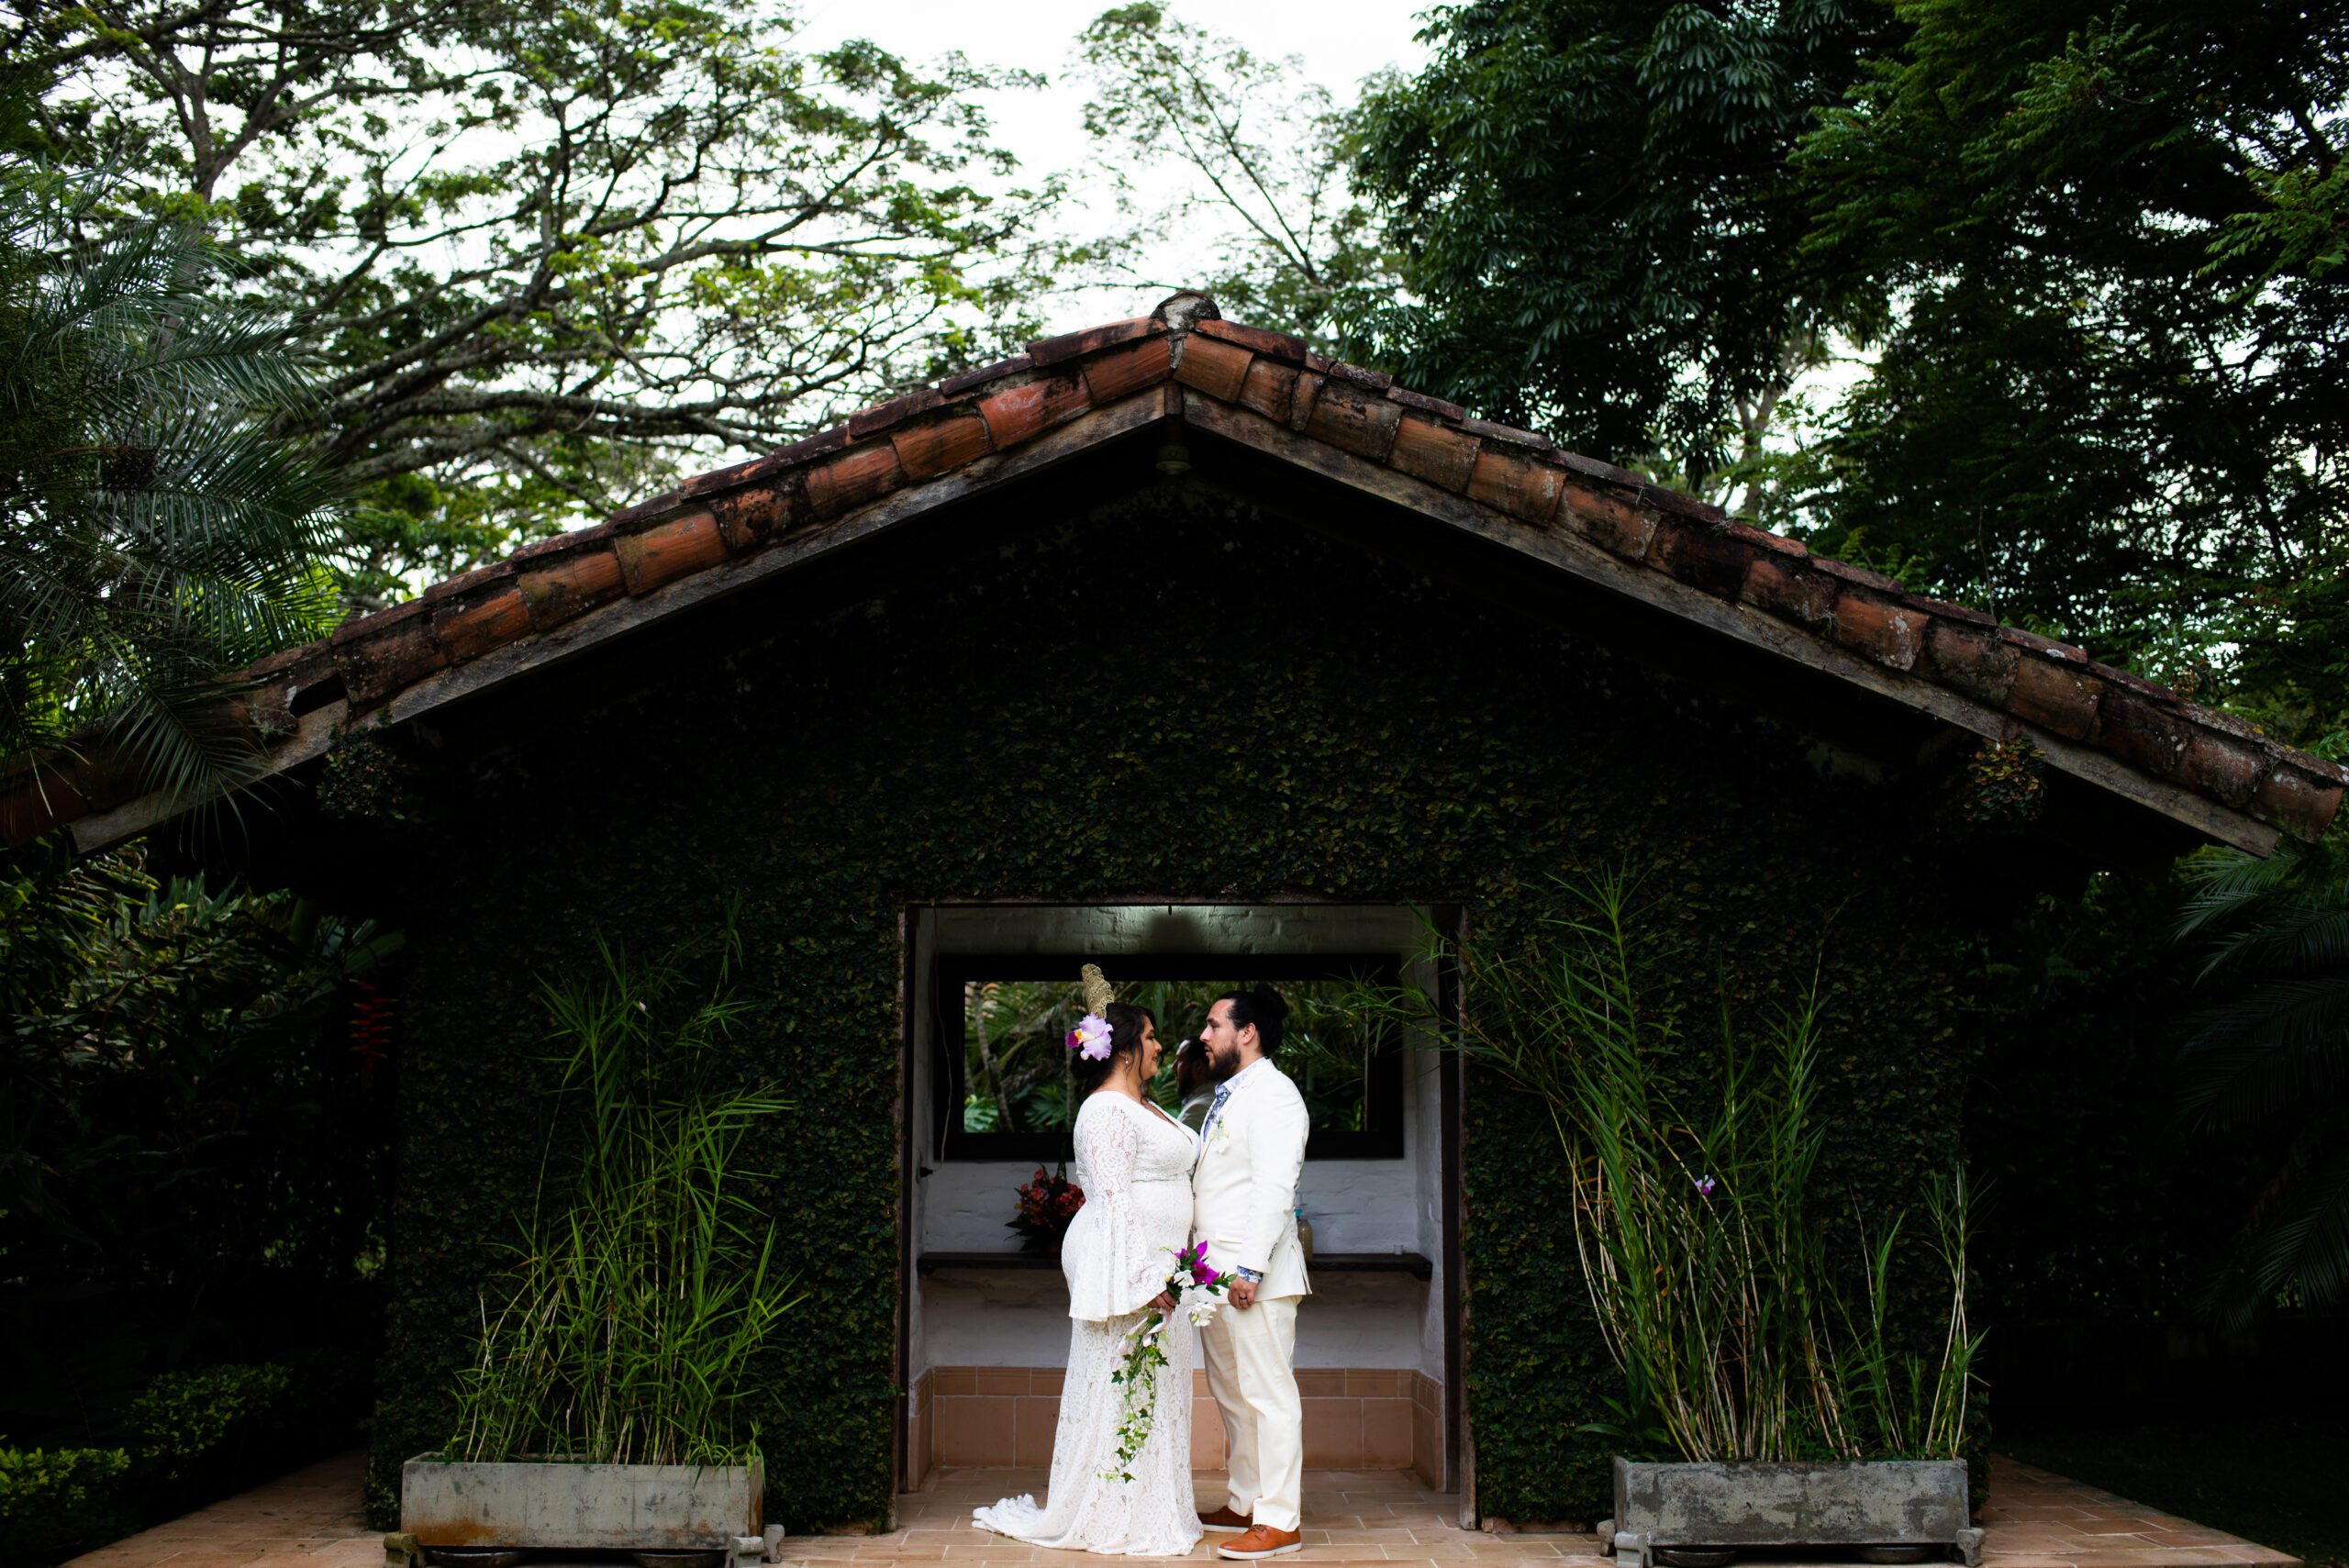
1133 1163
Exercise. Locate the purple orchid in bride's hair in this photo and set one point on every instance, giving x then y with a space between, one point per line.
1090 1039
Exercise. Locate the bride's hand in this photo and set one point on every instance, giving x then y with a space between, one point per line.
1163 1302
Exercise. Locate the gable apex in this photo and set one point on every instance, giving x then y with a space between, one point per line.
1184 367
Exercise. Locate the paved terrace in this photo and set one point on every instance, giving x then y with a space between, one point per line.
311 1519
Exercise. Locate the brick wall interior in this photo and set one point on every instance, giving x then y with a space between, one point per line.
1355 1418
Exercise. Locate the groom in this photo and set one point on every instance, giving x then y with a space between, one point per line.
1252 1151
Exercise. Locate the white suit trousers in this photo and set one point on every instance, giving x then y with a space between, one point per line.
1250 1358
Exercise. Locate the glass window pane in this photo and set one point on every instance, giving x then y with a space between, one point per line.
1016 1074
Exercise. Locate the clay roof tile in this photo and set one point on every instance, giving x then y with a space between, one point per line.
924 434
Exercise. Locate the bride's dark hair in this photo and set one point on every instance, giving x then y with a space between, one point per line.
1126 1021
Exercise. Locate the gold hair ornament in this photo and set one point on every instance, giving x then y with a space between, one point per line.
1097 992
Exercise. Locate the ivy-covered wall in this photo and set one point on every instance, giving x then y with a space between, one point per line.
1170 695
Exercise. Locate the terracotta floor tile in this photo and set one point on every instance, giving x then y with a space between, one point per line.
2050 1510
311 1519
1515 1547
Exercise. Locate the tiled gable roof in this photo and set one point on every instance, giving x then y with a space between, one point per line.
1268 392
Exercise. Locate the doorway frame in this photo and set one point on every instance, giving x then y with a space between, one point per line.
1447 917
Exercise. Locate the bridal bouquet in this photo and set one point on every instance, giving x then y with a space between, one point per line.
1197 1290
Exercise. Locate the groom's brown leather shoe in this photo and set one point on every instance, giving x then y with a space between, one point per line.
1224 1518
1260 1541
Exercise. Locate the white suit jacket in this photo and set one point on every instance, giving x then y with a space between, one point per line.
1243 1190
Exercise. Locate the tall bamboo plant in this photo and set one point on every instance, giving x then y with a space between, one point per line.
648 1276
1743 1327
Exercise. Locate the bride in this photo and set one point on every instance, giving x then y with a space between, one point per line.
1133 1162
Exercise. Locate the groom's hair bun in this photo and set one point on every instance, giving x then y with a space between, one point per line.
1260 1006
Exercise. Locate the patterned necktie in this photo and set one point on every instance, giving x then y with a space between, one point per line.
1222 1093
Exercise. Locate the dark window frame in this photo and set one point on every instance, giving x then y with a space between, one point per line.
1382 1138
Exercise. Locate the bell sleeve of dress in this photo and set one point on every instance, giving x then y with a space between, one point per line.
1115 1271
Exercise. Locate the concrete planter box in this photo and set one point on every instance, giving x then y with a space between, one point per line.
552 1504
1846 1504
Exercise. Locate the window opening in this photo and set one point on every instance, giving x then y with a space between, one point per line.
1006 1088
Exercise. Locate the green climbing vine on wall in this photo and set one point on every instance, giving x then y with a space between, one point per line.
1173 696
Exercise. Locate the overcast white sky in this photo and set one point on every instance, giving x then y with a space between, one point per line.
1339 44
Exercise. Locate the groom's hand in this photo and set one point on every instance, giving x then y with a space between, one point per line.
1242 1293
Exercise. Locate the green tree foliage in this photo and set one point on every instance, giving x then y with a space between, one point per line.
2098 1207
1601 221
540 251
152 533
2092 251
1262 156
1017 1072
2273 1060
2095 246
191 1099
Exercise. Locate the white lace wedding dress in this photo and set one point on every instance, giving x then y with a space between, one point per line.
1134 1166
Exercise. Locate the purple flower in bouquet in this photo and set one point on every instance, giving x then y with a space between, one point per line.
1197 1290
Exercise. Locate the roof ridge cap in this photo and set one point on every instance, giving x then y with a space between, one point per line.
1523 476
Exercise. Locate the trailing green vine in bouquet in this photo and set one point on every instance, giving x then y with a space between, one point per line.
1197 1289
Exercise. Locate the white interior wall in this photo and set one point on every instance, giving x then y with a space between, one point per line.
1019 1317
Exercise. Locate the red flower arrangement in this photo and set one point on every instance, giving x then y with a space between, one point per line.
1047 1204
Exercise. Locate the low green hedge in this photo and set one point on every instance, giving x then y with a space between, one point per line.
56 1502
190 1438
187 1426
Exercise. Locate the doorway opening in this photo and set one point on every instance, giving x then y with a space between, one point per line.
983 1324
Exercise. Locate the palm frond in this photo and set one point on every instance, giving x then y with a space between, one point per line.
2273 1058
2305 1247
2271 1049
155 536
